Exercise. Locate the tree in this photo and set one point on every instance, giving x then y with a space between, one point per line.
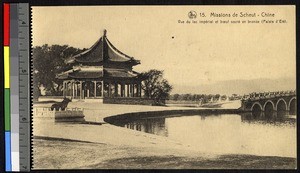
36 90
48 61
224 97
176 97
217 96
155 86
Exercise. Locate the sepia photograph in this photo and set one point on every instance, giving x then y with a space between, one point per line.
164 87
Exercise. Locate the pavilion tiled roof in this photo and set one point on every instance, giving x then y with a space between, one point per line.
119 73
86 74
81 73
102 50
93 54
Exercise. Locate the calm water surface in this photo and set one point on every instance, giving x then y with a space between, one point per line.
258 134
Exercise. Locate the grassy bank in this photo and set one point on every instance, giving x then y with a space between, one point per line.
55 154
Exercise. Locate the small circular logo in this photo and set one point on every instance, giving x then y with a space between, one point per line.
192 14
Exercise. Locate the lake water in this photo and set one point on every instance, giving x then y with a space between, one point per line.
258 134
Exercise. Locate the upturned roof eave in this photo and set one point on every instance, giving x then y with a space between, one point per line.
118 53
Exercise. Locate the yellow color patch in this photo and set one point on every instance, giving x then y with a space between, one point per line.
6 68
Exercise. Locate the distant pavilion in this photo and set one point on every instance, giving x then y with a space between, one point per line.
101 72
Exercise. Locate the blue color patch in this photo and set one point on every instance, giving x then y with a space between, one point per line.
7 151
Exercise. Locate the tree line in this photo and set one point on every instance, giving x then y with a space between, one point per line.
197 97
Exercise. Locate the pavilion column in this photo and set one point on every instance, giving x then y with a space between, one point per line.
139 86
122 90
127 85
109 91
95 88
80 89
102 89
116 90
76 89
88 85
140 90
68 89
129 90
132 90
64 92
137 90
73 89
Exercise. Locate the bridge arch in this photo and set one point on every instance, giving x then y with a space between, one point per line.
258 104
281 107
269 101
292 105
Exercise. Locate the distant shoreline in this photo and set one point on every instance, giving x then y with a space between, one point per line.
168 113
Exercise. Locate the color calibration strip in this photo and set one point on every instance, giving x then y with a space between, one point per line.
6 20
16 86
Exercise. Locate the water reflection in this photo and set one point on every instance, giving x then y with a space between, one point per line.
155 126
252 133
276 118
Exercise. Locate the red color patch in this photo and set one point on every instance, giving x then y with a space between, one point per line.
6 24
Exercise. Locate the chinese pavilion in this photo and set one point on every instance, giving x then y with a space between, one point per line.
100 72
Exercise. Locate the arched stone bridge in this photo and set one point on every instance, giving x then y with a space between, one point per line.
267 103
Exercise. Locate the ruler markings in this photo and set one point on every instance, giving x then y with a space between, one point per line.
14 83
24 92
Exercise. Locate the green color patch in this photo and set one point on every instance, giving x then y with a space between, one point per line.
7 109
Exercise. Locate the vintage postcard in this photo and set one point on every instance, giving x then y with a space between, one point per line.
164 87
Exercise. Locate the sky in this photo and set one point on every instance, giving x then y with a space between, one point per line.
189 54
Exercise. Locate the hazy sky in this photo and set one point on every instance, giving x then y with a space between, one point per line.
190 54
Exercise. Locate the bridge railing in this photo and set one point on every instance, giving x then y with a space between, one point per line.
258 96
